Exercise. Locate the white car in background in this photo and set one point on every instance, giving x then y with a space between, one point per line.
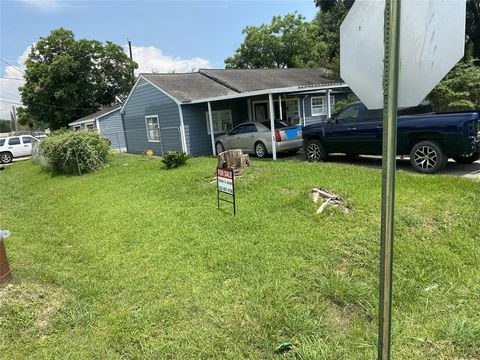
15 146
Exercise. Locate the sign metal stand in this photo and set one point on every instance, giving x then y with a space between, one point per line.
226 185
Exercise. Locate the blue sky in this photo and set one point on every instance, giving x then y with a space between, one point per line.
166 35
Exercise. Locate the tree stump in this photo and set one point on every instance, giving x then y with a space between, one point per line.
234 159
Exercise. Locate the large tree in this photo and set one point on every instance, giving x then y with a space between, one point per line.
66 78
288 41
472 30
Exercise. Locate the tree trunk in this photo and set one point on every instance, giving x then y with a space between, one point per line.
233 159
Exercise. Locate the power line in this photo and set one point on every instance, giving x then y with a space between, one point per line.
7 78
6 62
51 106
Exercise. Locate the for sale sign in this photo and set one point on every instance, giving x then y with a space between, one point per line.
225 180
226 185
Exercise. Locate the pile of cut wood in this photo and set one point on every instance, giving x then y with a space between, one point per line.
328 198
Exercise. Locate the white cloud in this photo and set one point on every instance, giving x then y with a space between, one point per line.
45 5
151 59
9 94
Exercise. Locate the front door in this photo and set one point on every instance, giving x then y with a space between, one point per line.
260 111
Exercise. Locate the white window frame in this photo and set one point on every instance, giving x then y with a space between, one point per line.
323 107
219 116
147 129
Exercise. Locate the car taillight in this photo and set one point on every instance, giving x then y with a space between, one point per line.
278 137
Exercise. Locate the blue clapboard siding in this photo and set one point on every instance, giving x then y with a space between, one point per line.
147 100
195 121
111 128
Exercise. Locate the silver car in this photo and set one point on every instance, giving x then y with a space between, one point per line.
256 138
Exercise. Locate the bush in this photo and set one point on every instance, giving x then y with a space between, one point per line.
174 159
69 152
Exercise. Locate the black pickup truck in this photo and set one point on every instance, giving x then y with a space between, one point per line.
429 139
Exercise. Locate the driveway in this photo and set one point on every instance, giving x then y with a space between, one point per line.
463 170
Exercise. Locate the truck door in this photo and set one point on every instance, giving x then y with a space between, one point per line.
340 136
369 132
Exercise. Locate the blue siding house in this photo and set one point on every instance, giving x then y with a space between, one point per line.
186 112
108 122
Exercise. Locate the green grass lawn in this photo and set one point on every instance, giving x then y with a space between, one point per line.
137 262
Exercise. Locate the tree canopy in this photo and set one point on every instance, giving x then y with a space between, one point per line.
66 78
288 41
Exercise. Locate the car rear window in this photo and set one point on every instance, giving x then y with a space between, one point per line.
278 124
2 142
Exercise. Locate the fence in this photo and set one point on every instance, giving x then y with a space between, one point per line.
136 141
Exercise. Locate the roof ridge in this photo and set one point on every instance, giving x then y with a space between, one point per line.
223 83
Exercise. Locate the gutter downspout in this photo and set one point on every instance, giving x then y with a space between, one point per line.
210 121
183 138
272 126
303 104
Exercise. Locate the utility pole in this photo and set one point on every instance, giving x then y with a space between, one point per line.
390 93
13 118
130 51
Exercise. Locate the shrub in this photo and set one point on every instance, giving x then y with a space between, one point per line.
69 152
174 159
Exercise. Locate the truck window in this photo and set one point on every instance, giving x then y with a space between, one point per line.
350 114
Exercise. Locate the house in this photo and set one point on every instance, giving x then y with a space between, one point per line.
108 122
185 112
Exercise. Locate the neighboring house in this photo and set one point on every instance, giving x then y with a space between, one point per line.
108 122
185 112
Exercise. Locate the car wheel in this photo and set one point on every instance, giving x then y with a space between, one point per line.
6 158
427 157
219 147
466 159
314 151
260 150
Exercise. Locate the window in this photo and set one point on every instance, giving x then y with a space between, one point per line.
14 141
278 124
221 120
319 105
349 114
77 128
291 110
26 139
2 142
89 126
153 129
248 128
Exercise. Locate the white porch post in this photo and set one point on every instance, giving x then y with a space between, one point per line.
280 106
183 137
210 121
249 105
329 105
272 125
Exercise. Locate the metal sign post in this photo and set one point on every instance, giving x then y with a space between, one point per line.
226 185
390 93
5 274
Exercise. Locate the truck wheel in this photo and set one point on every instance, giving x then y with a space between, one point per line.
6 158
427 157
466 159
314 151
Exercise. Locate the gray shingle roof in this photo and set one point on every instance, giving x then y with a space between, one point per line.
98 114
263 79
189 86
210 83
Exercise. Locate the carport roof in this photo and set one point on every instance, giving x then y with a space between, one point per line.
222 83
